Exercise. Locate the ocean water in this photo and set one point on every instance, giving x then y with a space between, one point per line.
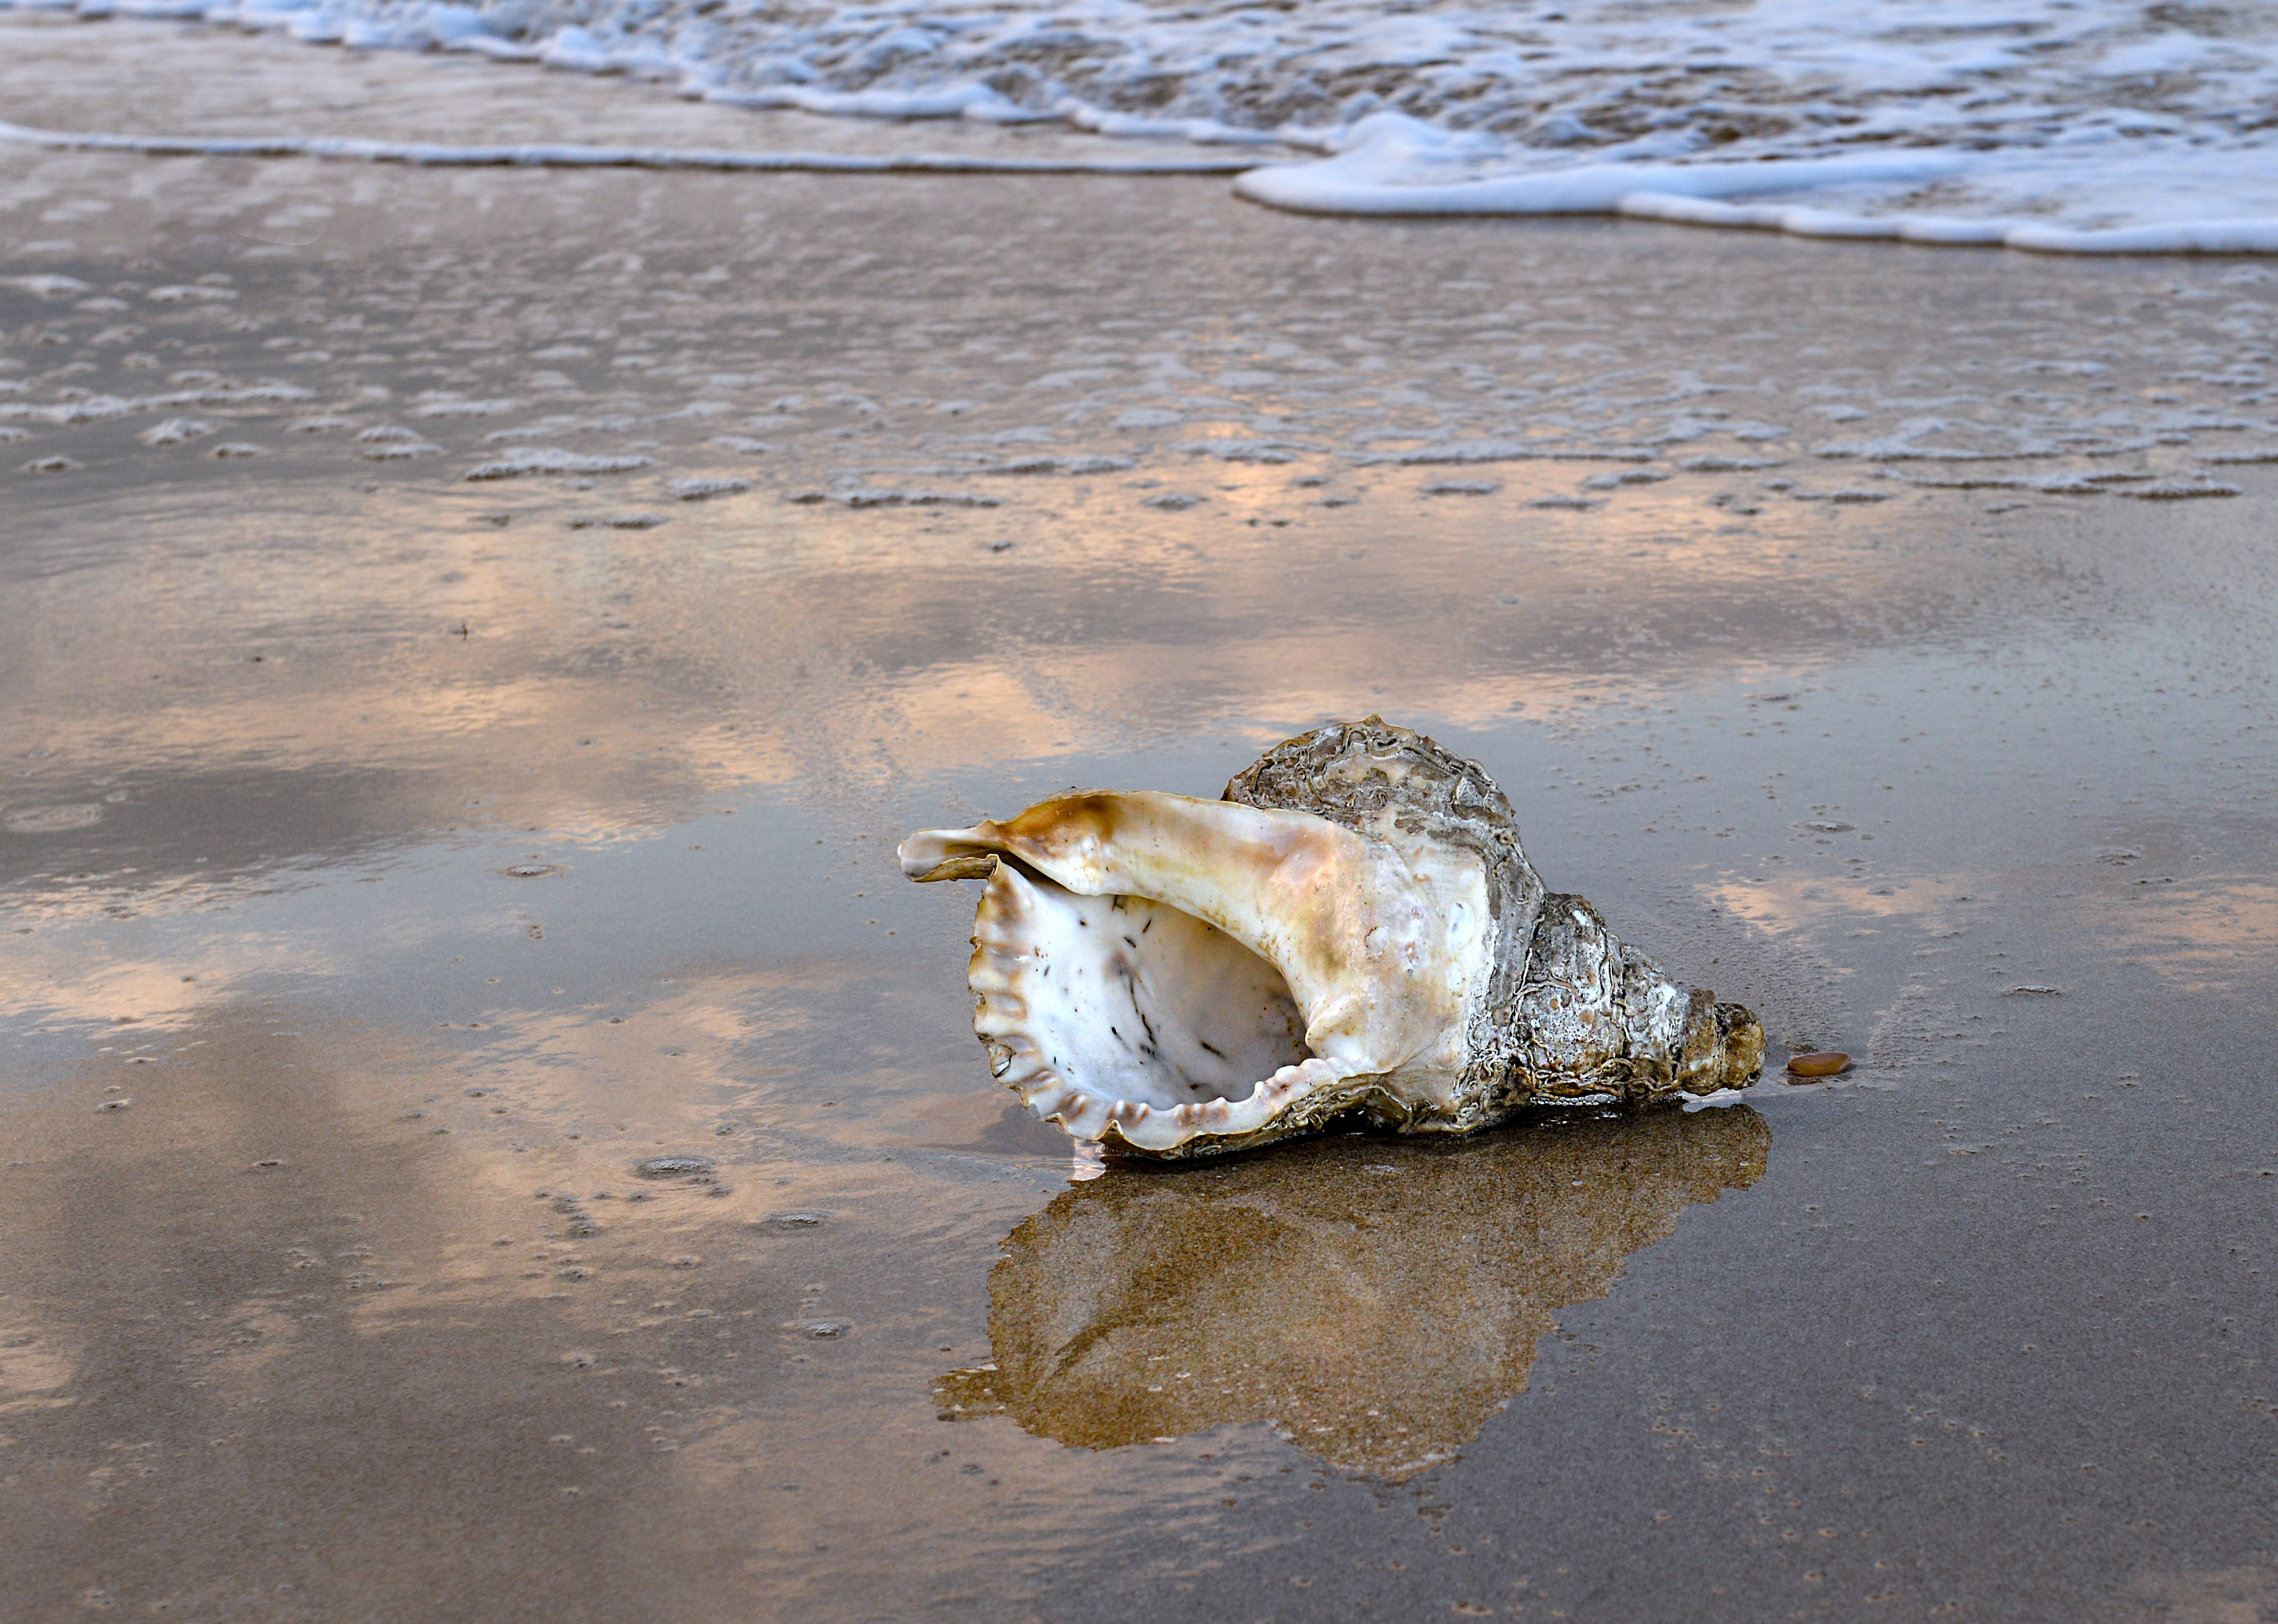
2071 125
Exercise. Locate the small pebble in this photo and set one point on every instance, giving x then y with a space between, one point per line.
1826 1062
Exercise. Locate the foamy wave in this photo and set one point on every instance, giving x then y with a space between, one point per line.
2066 125
1392 165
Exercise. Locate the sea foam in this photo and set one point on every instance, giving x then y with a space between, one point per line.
2062 126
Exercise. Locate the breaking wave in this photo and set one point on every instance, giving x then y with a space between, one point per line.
2082 126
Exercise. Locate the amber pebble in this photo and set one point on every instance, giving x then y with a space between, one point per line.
1827 1063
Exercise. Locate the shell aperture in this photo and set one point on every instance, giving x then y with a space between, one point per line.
1354 929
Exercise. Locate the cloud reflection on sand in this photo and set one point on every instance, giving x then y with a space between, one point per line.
1373 1302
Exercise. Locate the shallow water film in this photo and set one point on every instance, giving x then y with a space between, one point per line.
487 1132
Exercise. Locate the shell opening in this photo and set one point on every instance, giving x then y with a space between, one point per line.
1132 1000
1163 970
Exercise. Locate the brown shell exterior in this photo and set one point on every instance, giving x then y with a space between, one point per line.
1571 1013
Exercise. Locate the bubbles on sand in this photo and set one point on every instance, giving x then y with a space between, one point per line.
554 460
174 431
706 490
51 819
872 498
391 443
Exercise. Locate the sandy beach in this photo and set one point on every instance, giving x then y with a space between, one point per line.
471 638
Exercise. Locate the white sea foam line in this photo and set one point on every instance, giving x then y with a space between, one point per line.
1374 175
1617 192
564 156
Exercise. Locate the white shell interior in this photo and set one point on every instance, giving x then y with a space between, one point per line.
1160 968
1133 1000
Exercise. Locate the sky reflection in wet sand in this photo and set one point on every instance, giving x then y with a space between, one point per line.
326 1261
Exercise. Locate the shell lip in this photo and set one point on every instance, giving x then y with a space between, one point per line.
963 865
1003 1021
1134 1128
962 854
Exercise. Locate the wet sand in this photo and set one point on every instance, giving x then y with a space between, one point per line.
392 860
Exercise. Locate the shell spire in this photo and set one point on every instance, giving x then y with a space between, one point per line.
1353 928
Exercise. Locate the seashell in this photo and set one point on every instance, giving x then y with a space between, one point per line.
1373 1305
1353 929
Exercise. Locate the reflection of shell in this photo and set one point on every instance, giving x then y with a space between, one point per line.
1354 927
1373 1306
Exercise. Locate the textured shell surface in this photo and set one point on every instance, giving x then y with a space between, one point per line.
1354 930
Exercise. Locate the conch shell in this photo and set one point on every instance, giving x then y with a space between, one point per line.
1352 929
